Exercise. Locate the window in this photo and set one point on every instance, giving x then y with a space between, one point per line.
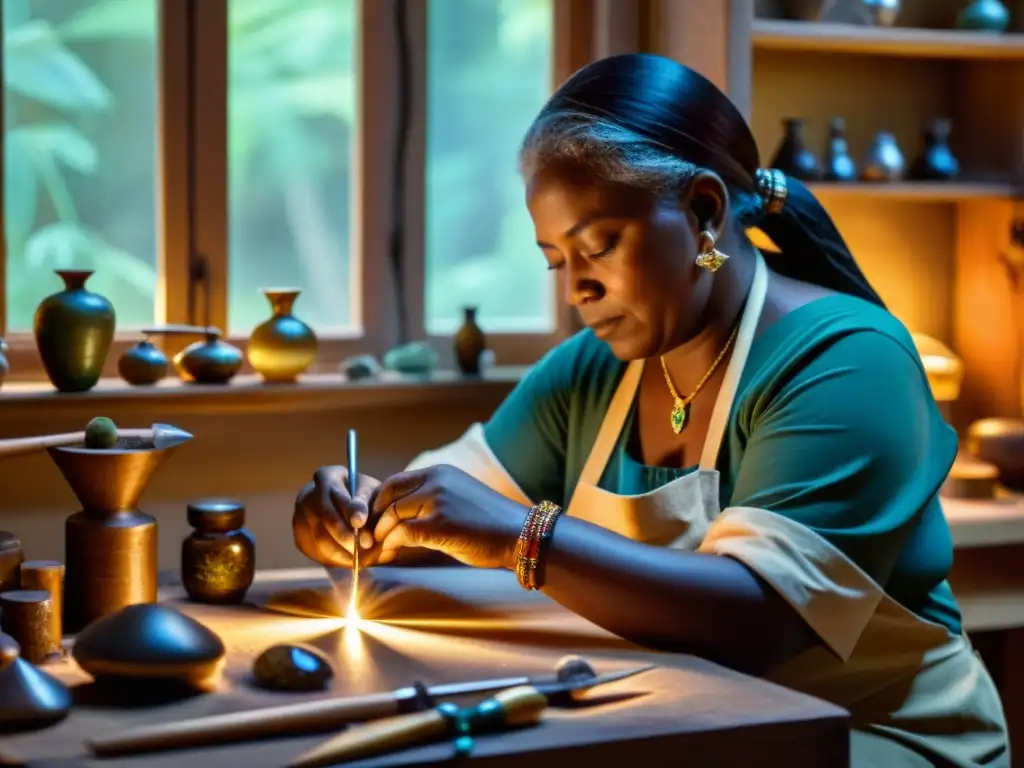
291 109
79 142
489 70
260 135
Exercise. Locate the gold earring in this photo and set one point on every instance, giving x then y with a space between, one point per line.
709 257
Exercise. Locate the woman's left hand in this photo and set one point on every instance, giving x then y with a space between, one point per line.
444 509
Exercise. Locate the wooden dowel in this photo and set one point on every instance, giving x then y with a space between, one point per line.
48 575
23 446
287 720
520 706
25 616
383 736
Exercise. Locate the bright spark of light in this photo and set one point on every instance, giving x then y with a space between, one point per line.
352 618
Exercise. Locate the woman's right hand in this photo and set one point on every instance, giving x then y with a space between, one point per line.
326 518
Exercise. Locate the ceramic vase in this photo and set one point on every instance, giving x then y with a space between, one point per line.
74 329
792 156
936 162
838 164
470 343
885 161
143 364
284 346
210 361
984 16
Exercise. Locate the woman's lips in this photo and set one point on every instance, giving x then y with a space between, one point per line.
605 328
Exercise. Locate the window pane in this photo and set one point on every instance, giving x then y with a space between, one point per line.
80 152
290 122
489 70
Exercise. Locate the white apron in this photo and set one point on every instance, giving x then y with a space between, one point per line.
904 680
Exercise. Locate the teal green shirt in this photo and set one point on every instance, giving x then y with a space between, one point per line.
833 426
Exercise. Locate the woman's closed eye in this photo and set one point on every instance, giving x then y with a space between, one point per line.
610 245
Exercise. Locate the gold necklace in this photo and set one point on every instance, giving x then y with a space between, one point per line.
681 406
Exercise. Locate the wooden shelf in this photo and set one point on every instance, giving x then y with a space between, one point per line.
916 191
780 35
245 395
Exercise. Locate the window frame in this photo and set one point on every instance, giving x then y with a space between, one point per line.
192 177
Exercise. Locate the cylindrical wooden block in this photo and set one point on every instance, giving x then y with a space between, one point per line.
111 563
11 556
48 575
25 616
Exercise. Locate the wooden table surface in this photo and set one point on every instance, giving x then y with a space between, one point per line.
461 624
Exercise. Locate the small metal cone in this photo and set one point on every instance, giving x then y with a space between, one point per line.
165 436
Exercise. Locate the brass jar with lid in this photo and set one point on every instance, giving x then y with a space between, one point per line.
218 559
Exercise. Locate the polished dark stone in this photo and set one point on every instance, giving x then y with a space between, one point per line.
149 641
292 668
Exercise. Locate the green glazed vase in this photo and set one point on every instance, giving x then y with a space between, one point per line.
74 329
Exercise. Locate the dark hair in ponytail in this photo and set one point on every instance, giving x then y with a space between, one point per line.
651 123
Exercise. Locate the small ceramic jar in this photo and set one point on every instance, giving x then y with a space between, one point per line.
218 560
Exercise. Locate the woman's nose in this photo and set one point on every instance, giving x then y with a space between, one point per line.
580 289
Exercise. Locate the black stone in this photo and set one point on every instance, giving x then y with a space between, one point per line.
292 668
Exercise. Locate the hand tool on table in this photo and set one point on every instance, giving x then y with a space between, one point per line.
322 715
353 485
162 435
509 709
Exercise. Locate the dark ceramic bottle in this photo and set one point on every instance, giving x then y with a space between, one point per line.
984 16
470 343
142 364
936 162
74 329
838 164
885 161
218 560
792 156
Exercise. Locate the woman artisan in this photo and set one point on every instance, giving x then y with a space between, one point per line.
745 447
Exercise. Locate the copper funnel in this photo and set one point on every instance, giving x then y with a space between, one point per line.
111 480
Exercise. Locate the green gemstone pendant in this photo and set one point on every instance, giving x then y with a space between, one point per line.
679 415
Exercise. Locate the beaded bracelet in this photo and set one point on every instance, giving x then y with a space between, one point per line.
536 532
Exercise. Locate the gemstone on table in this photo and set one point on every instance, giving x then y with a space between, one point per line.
288 667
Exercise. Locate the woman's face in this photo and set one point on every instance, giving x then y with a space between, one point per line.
627 261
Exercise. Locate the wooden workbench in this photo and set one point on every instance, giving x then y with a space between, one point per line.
686 711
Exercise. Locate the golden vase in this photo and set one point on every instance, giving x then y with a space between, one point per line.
282 347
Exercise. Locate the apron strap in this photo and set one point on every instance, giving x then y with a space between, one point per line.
733 373
611 427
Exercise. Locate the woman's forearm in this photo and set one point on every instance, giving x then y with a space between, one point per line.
703 604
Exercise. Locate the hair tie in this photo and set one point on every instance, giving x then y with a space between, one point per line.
770 185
